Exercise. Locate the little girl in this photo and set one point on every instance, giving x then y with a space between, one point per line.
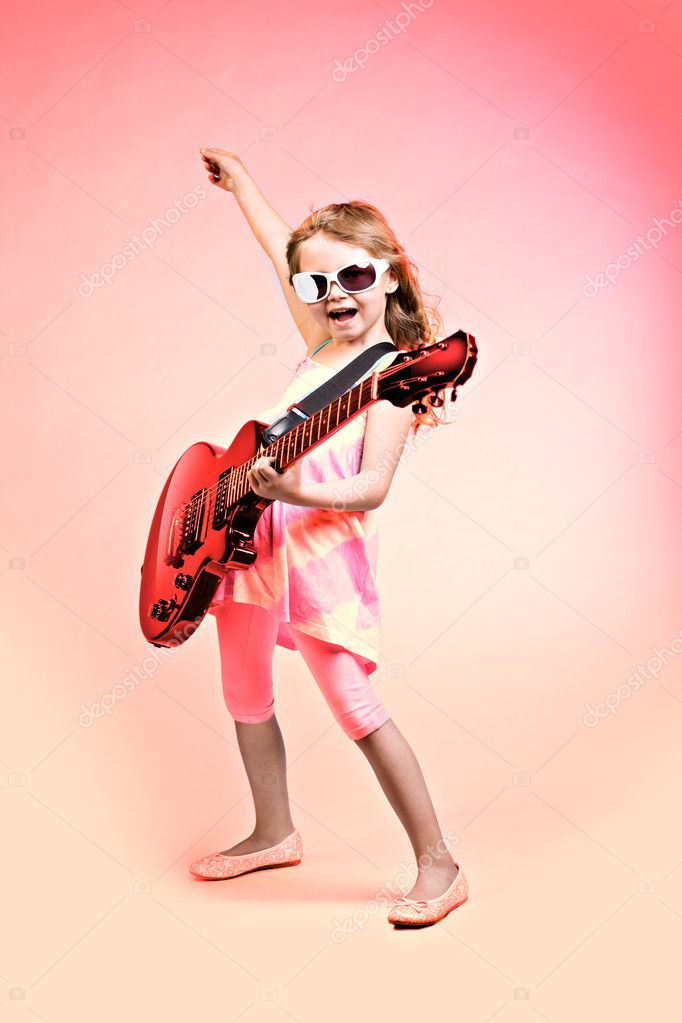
349 285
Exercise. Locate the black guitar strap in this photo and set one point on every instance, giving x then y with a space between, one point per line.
328 391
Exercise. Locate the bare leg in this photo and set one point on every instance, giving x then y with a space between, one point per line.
262 749
401 778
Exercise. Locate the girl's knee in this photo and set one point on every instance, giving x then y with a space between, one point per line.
345 684
248 705
247 634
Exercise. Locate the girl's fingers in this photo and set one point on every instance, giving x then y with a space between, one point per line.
259 467
210 165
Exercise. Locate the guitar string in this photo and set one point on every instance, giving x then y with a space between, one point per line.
184 507
208 490
235 468
205 493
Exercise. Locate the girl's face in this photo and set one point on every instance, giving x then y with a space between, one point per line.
322 253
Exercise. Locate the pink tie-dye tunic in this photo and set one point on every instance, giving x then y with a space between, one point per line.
316 568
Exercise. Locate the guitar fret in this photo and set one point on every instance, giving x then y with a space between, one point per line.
295 442
232 487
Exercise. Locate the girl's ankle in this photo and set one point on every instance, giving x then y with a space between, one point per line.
273 835
443 863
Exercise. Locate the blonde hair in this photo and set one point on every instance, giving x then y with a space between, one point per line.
410 320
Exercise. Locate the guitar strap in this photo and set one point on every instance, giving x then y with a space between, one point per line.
328 391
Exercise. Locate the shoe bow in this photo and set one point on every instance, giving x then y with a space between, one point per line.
411 902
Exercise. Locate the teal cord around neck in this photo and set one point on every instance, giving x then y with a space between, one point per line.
322 345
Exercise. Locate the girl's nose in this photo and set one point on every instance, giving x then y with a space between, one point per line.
335 291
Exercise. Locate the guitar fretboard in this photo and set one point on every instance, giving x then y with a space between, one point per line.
232 485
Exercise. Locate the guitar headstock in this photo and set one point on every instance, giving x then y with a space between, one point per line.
430 368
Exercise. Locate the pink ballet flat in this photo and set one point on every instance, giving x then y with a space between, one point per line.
411 913
216 867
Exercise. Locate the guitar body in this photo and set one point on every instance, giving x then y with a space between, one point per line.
180 579
207 514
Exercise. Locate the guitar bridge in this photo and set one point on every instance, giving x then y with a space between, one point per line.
193 523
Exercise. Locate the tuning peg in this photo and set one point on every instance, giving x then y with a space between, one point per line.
435 399
419 408
453 396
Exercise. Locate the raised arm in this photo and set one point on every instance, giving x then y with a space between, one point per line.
271 230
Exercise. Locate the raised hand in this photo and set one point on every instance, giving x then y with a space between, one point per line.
224 169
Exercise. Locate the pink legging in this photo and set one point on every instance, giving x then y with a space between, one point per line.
247 634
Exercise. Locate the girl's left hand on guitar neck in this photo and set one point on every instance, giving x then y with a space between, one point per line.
265 481
361 492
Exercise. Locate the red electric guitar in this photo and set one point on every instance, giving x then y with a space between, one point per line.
207 513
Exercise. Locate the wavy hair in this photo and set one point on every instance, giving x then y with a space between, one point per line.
410 320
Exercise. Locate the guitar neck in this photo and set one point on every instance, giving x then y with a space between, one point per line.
232 485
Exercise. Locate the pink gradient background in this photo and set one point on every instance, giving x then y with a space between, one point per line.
567 452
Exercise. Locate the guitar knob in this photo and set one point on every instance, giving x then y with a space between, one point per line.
162 609
183 581
419 408
435 399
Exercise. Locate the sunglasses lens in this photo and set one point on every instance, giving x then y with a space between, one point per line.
311 287
357 278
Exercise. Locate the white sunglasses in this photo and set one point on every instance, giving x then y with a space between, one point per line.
352 278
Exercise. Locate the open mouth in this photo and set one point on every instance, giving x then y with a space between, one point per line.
342 315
